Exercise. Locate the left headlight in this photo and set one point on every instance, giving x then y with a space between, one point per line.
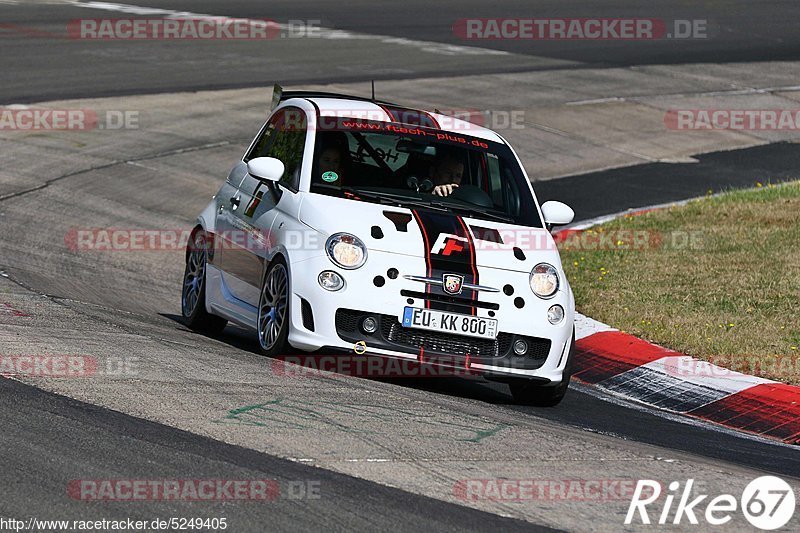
346 251
544 280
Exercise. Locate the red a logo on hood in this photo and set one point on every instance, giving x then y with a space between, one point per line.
447 244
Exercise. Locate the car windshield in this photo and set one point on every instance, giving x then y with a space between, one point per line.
414 166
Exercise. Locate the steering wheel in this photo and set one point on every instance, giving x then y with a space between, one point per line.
472 195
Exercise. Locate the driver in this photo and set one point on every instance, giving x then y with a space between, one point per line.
446 174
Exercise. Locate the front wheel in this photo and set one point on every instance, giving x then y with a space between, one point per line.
527 393
273 311
193 295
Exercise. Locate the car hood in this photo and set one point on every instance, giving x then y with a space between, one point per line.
445 239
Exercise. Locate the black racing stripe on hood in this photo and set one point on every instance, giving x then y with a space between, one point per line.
449 249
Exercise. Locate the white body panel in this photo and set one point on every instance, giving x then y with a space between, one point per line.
299 224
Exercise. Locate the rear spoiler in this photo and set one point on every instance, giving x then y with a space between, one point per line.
279 95
398 113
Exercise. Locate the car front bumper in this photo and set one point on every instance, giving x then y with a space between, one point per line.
335 317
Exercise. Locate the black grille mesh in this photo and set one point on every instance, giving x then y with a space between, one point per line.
307 314
444 343
347 322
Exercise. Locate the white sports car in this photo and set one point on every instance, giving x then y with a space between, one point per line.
415 235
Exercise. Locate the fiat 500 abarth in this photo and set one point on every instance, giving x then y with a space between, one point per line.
412 234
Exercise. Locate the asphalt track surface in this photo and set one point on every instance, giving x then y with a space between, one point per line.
612 191
33 70
134 448
48 439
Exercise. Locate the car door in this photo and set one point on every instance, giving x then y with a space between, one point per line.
230 239
226 201
258 199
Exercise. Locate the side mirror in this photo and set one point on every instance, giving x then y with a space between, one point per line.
266 168
557 214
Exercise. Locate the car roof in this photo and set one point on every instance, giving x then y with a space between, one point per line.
347 106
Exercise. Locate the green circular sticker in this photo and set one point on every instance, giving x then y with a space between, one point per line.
330 176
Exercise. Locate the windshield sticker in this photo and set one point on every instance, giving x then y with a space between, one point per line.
391 128
330 176
361 155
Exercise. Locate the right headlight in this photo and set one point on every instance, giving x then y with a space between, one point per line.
544 280
346 251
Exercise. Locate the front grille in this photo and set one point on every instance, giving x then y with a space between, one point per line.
444 343
538 349
393 336
347 320
504 342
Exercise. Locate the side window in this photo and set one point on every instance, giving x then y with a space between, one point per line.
261 148
284 138
288 146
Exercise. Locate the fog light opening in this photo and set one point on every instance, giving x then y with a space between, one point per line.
330 280
555 314
369 325
520 347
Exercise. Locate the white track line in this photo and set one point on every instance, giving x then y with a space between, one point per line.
320 32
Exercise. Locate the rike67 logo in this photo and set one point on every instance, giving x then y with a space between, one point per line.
767 502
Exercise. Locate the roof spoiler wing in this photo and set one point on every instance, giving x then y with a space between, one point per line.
278 92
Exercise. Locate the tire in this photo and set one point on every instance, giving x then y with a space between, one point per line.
527 392
193 293
273 310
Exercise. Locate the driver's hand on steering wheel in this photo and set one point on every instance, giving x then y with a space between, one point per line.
444 190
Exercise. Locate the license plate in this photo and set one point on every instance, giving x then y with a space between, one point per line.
430 319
